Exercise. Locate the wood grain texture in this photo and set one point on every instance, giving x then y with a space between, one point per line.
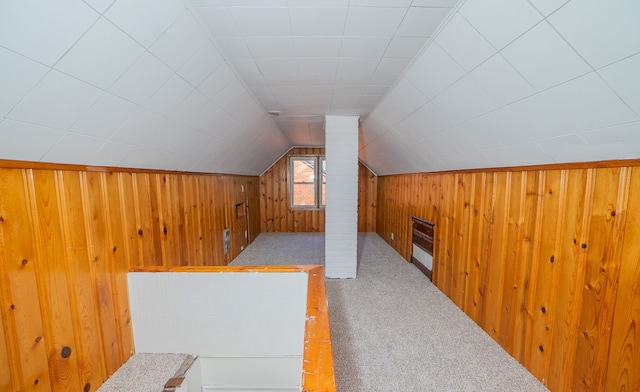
546 261
67 240
275 211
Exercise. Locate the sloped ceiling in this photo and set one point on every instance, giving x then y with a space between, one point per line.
439 84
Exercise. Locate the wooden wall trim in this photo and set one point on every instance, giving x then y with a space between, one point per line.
13 164
546 261
611 163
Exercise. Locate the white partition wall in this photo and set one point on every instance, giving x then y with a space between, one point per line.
248 328
341 218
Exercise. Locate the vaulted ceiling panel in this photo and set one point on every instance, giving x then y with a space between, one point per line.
519 84
439 84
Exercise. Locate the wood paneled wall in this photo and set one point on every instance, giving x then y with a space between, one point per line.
67 239
546 261
277 215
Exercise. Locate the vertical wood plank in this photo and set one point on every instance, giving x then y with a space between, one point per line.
567 299
82 295
20 287
623 365
601 277
53 287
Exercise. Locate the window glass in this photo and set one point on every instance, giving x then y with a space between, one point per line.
308 182
304 184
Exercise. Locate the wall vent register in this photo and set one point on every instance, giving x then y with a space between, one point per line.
422 245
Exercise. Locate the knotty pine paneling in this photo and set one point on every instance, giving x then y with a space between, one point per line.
275 211
67 238
546 261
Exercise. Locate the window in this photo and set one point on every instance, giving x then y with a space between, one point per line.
308 176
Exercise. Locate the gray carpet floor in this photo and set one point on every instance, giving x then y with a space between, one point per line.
392 330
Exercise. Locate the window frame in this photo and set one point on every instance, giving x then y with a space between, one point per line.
317 181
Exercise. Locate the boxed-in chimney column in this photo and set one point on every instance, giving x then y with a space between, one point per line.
341 219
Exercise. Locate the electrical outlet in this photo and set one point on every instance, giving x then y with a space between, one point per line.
391 236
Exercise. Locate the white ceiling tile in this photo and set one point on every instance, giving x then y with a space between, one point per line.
309 65
105 116
57 101
548 6
582 104
254 80
412 127
135 18
389 70
503 125
528 153
270 46
324 22
218 21
256 21
434 70
373 47
189 107
201 64
317 46
169 96
143 79
73 148
433 3
101 55
501 81
285 90
26 141
464 100
435 119
405 46
568 148
219 78
317 90
99 5
500 21
624 78
619 142
208 3
245 68
267 102
143 158
602 32
373 21
468 138
543 58
110 154
462 42
43 31
422 22
322 79
588 103
353 77
379 3
140 128
316 3
357 65
181 41
233 48
345 100
348 89
18 75
285 66
375 90
285 80
257 3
